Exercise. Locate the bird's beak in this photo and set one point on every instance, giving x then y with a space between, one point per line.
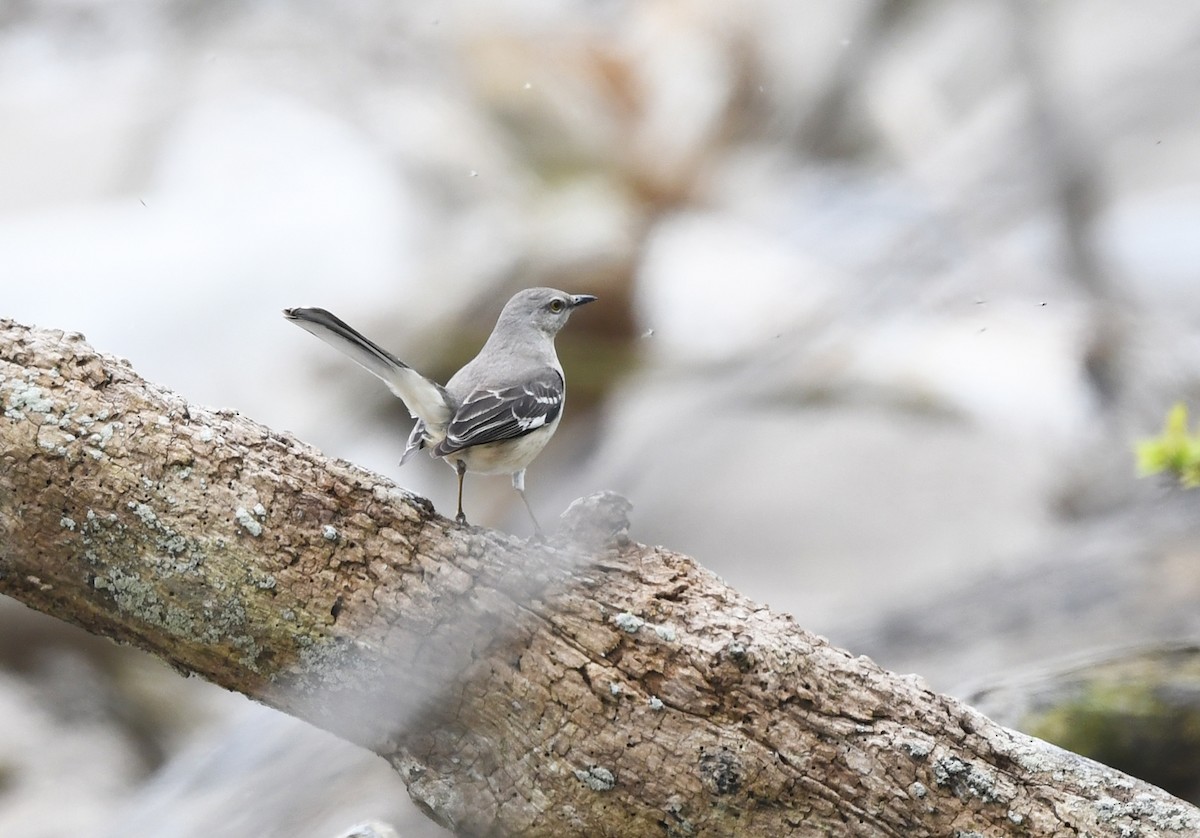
581 299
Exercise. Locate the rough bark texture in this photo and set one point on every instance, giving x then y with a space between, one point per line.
588 685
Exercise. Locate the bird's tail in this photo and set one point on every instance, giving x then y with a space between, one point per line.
425 399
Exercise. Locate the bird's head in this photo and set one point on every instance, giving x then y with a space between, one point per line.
546 309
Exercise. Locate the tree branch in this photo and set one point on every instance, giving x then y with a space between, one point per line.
588 685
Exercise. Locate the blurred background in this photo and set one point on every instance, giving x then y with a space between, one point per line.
887 291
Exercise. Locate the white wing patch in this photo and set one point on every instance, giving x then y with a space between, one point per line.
501 413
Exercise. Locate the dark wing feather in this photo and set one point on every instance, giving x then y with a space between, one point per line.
501 413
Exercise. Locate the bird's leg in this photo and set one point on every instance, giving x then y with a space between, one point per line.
518 481
461 468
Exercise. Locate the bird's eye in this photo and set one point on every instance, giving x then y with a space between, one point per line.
557 305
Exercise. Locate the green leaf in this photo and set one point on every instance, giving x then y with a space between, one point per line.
1174 450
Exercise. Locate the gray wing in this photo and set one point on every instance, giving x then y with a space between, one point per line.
497 414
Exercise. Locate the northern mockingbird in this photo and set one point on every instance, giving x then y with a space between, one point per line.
496 414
